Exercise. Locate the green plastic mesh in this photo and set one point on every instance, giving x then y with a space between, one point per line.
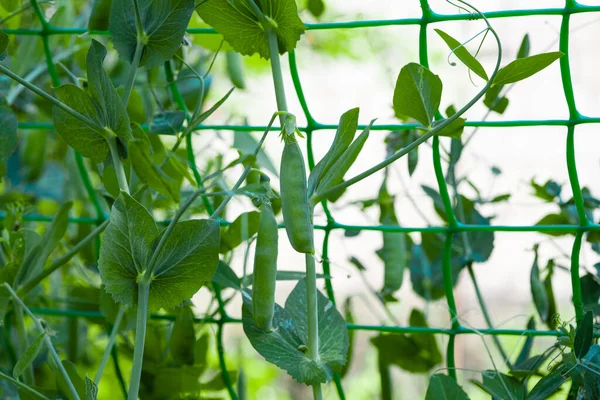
454 226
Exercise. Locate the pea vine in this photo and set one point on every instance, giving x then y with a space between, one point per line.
149 268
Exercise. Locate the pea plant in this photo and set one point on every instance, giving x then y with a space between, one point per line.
161 232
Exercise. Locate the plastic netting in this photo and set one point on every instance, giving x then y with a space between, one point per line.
454 227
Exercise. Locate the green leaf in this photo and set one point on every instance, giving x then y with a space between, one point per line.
584 335
243 30
538 291
226 277
554 219
285 346
91 389
100 15
246 143
235 69
112 112
526 350
523 68
167 123
89 142
501 386
75 378
494 101
172 382
463 54
34 260
189 259
126 248
163 25
349 318
524 47
529 366
241 229
28 356
549 384
145 168
315 7
549 191
416 353
344 136
417 94
454 130
8 135
183 337
442 387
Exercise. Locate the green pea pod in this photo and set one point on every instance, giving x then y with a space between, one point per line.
265 269
394 250
294 197
335 176
235 69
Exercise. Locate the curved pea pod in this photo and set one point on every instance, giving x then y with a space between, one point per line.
294 198
235 69
394 252
265 269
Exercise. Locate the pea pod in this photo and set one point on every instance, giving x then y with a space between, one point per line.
235 69
294 196
265 268
394 250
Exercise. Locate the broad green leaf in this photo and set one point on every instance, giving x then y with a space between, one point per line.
343 138
426 275
554 219
590 291
584 335
454 130
226 277
285 346
501 386
463 54
112 112
549 191
417 353
549 384
241 229
529 366
28 356
524 48
538 291
189 259
236 21
3 44
167 123
494 101
183 337
523 68
163 24
89 142
315 7
109 309
34 261
442 387
417 94
8 135
100 15
126 248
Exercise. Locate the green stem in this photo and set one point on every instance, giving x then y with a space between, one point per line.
387 391
62 260
276 71
109 346
133 68
313 315
575 280
23 386
22 342
140 338
118 164
47 341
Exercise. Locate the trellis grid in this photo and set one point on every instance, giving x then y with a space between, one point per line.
454 225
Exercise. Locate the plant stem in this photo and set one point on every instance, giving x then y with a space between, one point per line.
133 68
109 346
119 170
23 386
63 260
47 341
22 342
313 315
276 71
95 127
140 338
